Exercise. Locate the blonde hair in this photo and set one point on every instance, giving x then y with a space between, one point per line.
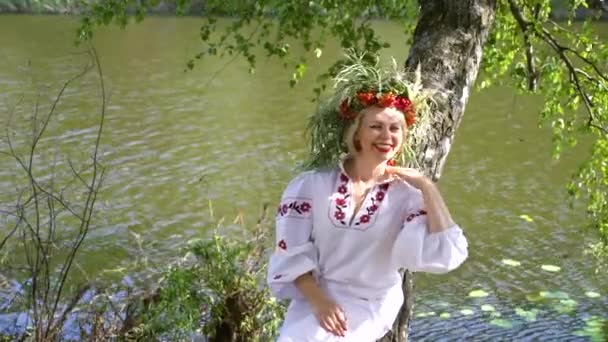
351 131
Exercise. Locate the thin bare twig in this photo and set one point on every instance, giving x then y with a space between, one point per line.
96 180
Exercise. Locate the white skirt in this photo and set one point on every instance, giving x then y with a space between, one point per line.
367 319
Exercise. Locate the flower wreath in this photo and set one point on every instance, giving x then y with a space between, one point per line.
360 83
349 108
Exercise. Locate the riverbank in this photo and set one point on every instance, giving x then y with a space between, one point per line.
197 7
76 7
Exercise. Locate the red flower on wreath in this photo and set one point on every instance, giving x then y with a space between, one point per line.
342 189
387 100
340 202
339 215
410 117
370 98
343 177
402 104
364 218
345 111
367 98
379 196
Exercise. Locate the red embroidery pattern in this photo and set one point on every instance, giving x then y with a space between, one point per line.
341 202
414 215
282 244
371 209
300 207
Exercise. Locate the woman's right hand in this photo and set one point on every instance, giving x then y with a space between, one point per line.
330 315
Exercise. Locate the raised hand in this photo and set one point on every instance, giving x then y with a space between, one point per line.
412 176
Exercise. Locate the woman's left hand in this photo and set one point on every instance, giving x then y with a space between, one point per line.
412 176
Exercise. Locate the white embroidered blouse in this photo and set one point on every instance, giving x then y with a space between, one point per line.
358 254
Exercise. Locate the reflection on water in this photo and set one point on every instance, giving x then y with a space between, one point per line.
176 142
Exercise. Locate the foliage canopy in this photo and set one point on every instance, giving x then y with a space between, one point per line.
564 62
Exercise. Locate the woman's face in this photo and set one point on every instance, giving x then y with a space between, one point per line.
380 134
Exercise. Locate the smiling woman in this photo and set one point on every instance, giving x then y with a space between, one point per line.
343 231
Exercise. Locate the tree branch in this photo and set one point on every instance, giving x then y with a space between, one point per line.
524 25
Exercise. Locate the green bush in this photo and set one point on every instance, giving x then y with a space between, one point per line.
219 291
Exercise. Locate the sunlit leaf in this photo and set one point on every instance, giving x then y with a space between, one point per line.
425 314
568 302
502 323
554 295
526 218
445 315
467 312
511 262
487 308
592 294
529 316
318 52
551 268
565 306
478 293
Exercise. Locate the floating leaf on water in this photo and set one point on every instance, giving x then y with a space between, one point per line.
487 307
445 315
502 323
554 295
534 297
526 218
564 309
551 268
592 294
511 262
478 293
425 314
467 312
593 329
568 302
529 316
565 306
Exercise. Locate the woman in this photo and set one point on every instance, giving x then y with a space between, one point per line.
344 230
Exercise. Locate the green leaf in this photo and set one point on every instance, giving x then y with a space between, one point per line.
551 268
488 308
529 316
318 52
502 323
554 295
511 262
592 294
467 312
526 218
425 314
478 293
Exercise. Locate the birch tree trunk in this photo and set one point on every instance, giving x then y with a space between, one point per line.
448 44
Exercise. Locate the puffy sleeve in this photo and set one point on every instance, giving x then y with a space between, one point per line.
417 250
295 253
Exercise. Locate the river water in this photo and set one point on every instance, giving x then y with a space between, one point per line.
183 149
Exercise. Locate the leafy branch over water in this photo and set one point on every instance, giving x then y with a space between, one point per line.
565 62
